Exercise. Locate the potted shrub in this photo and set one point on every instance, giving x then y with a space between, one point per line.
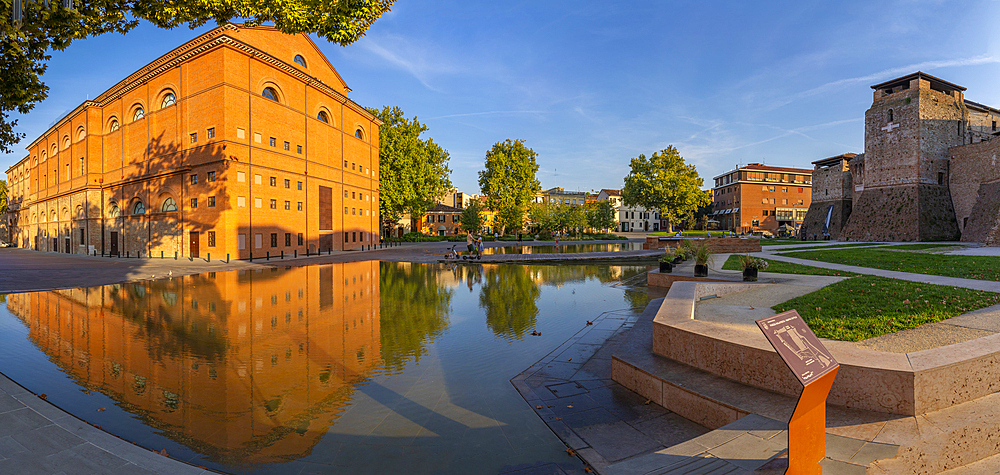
667 260
751 265
702 257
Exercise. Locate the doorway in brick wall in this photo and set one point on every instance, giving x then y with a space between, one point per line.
195 242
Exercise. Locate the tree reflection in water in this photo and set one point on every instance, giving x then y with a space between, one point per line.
508 297
414 308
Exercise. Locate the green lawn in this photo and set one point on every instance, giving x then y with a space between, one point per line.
969 267
868 306
922 247
785 268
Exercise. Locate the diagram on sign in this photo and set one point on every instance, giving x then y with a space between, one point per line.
797 345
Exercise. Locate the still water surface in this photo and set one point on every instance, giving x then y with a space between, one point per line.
368 367
565 248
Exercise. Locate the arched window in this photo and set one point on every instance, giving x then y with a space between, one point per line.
139 113
300 60
65 142
113 126
115 211
80 133
359 134
168 205
889 116
323 117
79 212
168 100
270 93
138 208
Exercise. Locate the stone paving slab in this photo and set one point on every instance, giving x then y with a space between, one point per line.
599 420
37 437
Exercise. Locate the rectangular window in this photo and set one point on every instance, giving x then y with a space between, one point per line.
288 239
241 201
257 179
241 177
194 137
256 202
274 239
300 238
194 179
211 239
288 205
298 148
345 166
288 183
299 206
273 142
258 240
81 166
299 185
345 210
354 211
441 218
353 196
345 193
287 145
274 204
274 181
211 133
240 133
81 236
256 137
352 166
211 201
211 176
194 203
347 237
241 241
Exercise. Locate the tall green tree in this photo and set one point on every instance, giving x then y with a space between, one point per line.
601 215
3 198
46 26
412 171
509 182
472 217
543 216
664 182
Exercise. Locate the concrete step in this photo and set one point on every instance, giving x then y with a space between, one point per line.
948 439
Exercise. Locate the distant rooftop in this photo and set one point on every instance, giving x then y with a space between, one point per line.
834 160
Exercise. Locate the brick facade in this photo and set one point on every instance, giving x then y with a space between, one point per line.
929 156
227 143
760 197
832 197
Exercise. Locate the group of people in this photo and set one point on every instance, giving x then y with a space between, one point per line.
474 243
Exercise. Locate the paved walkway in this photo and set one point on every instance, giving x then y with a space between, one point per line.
37 437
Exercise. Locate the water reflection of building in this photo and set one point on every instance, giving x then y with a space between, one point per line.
246 367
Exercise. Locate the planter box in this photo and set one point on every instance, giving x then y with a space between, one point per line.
700 270
749 275
666 267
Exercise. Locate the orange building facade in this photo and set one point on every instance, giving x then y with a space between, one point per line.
759 197
239 142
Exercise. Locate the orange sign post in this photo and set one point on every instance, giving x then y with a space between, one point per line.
815 368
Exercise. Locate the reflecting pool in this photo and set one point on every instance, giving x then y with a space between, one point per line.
367 367
566 248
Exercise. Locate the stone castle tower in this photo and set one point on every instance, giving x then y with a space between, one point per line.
901 190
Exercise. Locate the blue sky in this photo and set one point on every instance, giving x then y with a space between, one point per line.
590 84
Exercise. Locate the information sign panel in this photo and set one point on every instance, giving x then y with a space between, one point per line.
797 345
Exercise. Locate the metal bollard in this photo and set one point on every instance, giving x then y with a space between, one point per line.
282 254
161 254
227 258
175 255
126 254
268 255
209 255
296 253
